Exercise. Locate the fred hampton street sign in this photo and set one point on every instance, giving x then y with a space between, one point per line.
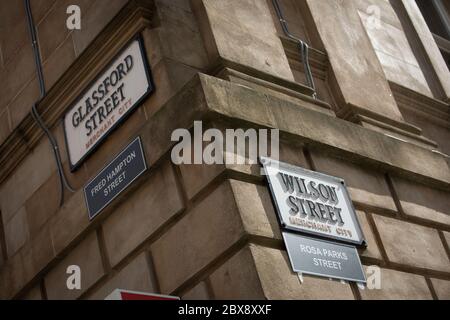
117 175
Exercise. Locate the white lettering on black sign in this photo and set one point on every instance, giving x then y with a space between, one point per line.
115 177
115 93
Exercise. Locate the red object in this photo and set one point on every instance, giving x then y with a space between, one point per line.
119 294
135 296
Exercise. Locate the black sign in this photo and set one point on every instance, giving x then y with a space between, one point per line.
323 258
115 177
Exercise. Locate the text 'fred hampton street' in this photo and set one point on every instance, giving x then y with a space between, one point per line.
114 177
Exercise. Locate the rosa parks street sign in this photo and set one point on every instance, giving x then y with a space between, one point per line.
115 177
312 202
115 93
323 258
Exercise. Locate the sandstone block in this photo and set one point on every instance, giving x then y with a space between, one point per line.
152 205
237 278
211 228
411 244
87 256
280 282
135 276
398 285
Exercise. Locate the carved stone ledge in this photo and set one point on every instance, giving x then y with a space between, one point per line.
433 110
293 90
132 19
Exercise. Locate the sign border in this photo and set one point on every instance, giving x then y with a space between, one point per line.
150 90
265 160
124 188
320 274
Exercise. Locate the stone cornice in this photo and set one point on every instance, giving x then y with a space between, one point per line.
432 109
348 140
133 18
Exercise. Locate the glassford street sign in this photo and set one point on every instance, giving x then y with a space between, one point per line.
323 258
105 103
312 202
115 177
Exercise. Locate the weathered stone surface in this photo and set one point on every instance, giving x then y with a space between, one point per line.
135 276
142 214
437 133
237 278
398 285
447 238
21 268
190 246
199 292
423 202
78 178
429 44
294 17
372 250
365 186
279 282
97 16
393 50
33 294
2 256
21 104
156 134
58 62
87 256
40 8
70 221
5 128
27 178
13 24
52 30
324 131
287 152
352 57
198 176
411 244
16 232
442 288
161 77
42 251
43 204
182 39
257 212
244 33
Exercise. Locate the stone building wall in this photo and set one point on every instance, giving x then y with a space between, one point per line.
380 121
